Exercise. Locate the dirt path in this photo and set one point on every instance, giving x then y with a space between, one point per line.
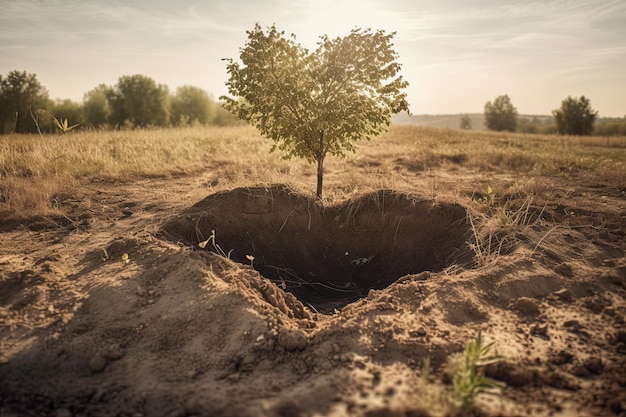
113 309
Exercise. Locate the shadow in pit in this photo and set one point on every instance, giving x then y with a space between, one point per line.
327 256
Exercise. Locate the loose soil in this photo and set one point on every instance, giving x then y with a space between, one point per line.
121 305
328 256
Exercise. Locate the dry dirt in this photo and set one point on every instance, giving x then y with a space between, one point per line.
114 309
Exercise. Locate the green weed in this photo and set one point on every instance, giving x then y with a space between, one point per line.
468 377
468 380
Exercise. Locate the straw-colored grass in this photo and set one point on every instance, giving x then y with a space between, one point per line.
33 168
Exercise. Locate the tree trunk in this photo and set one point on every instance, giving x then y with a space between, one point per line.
320 177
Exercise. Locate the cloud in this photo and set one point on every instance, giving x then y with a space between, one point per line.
451 50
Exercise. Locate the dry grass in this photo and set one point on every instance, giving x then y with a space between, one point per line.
126 155
33 169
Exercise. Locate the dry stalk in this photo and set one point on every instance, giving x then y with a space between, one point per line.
487 250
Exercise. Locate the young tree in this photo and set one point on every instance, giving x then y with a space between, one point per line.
501 115
22 98
138 100
575 117
190 105
312 104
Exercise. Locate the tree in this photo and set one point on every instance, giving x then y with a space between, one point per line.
222 117
68 110
22 99
137 100
466 122
190 105
312 104
575 117
501 115
96 108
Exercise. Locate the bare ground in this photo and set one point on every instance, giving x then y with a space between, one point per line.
112 308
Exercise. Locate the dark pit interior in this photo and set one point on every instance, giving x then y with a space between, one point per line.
328 256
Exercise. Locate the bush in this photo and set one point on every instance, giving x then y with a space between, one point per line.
501 115
575 116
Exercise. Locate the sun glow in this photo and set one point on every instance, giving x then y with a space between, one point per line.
337 18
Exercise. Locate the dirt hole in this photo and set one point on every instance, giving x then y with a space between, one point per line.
328 256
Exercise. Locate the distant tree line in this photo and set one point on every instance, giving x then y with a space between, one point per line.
138 101
574 117
135 101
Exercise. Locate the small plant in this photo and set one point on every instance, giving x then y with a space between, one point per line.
468 378
465 370
362 261
489 199
63 125
217 248
433 400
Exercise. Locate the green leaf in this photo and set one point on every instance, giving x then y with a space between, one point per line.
312 103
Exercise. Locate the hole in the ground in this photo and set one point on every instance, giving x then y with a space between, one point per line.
328 256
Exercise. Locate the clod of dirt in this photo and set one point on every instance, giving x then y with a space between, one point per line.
564 294
97 363
525 306
291 339
614 278
564 269
559 380
328 256
620 336
573 326
596 304
595 365
514 375
113 352
539 330
62 412
561 358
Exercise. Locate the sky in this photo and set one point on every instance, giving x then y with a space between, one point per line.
456 54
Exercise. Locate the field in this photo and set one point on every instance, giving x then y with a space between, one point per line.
191 272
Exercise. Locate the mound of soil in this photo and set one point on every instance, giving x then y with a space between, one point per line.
117 317
328 256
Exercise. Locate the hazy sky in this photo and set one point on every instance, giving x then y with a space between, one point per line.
456 54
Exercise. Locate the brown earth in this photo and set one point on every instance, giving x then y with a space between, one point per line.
113 308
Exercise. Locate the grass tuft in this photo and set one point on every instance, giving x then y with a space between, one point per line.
468 377
466 373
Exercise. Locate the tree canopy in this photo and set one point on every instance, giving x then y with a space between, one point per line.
138 100
22 101
96 109
135 101
501 114
190 105
575 116
312 104
68 110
